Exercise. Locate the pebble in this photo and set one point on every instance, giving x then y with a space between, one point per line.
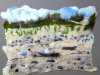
60 67
88 52
81 67
35 62
51 60
28 38
16 70
62 35
38 41
49 55
44 36
24 52
69 48
46 51
52 65
29 49
78 58
23 65
82 62
13 66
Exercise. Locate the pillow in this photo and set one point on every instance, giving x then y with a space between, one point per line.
43 40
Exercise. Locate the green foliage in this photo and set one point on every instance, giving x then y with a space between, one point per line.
77 18
91 24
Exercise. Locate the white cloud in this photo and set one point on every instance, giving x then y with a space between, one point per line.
75 8
43 13
26 13
87 11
